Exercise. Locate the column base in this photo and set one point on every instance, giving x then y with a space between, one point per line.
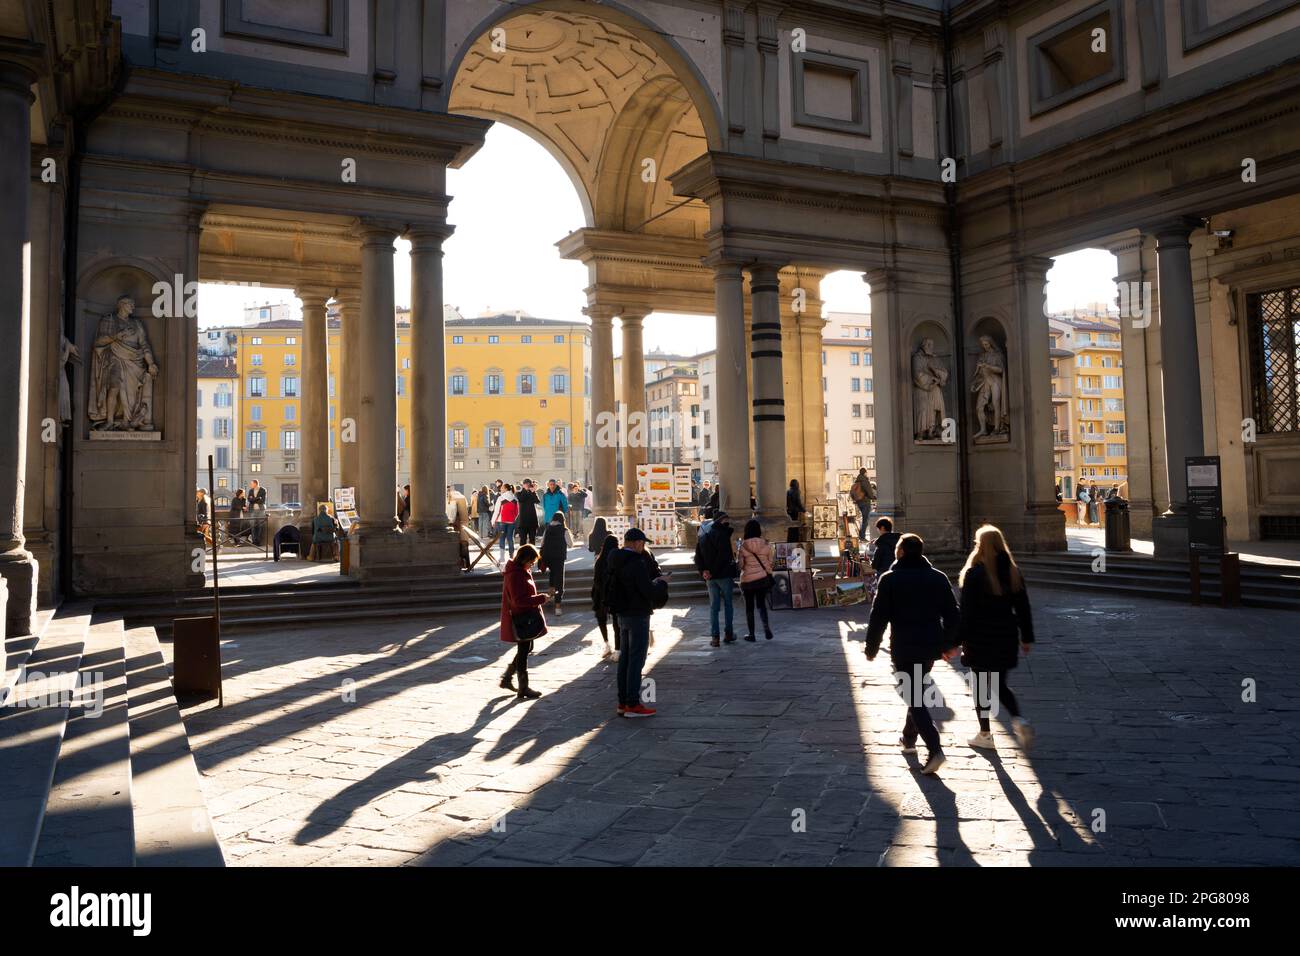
1169 535
387 555
1141 518
20 573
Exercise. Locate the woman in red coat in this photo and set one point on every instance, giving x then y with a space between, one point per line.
518 595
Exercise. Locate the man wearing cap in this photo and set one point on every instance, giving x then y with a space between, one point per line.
633 596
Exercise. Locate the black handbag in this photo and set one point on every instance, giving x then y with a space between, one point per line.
527 625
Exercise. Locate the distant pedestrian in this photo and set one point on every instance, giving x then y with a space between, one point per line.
324 535
483 512
555 549
1081 503
996 624
606 617
505 513
886 544
717 566
554 499
633 595
404 506
754 555
522 620
577 505
793 501
863 493
236 526
914 600
596 540
1094 502
528 505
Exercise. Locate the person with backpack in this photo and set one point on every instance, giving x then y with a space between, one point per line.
717 566
754 555
863 494
914 600
555 549
526 523
633 595
504 515
522 620
994 612
606 617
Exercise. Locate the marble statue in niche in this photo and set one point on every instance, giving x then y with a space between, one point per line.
122 373
68 353
929 376
990 390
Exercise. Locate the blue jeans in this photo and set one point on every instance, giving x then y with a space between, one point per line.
720 593
864 509
507 539
631 660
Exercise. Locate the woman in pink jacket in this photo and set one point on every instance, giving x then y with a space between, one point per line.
519 603
754 556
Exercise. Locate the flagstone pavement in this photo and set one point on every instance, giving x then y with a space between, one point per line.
1167 735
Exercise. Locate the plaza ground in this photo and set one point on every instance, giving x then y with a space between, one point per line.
393 745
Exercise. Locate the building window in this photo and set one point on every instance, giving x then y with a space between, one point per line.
1273 327
331 379
866 358
853 358
494 437
255 467
401 386
458 384
290 413
857 436
223 457
559 383
257 339
526 383
856 411
199 424
494 383
1063 66
870 437
559 340
458 340
525 340
857 461
289 439
560 437
458 437
526 437
290 358
257 388
1112 405
256 359
1111 381
288 386
254 413
256 439
855 385
869 411
494 339
706 393
221 428
221 399
290 340
866 385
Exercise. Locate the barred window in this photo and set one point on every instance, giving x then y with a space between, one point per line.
1273 320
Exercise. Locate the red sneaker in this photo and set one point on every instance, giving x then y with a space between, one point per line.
640 710
621 709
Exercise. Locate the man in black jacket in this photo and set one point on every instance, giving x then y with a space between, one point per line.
886 546
527 520
715 559
633 596
915 601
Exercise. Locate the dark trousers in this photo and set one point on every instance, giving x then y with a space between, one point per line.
758 597
519 666
556 573
985 697
911 680
631 661
605 619
527 534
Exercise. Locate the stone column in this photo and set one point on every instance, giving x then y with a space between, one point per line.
428 382
347 383
891 396
1133 326
769 392
603 410
1181 373
377 394
17 566
732 388
812 424
315 454
635 440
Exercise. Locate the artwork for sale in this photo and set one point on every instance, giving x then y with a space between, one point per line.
801 589
780 597
824 521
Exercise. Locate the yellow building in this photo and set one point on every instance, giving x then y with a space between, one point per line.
1089 440
518 398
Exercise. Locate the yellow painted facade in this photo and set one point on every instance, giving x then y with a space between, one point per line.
518 401
1090 440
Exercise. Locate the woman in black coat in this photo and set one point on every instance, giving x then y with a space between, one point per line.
605 616
793 502
996 625
555 548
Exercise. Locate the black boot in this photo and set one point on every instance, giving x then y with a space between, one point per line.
506 682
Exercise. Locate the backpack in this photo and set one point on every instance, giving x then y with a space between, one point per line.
509 511
856 492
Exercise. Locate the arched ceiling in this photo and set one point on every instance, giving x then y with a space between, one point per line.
602 101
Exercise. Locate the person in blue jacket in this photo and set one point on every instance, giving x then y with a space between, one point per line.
553 499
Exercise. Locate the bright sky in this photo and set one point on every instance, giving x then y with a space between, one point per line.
512 202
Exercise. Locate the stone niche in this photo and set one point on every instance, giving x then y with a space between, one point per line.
930 383
988 383
99 300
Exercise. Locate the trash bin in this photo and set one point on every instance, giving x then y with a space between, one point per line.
1117 524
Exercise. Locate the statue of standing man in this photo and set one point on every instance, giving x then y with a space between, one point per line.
122 373
929 376
990 390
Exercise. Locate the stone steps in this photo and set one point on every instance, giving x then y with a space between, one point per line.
92 787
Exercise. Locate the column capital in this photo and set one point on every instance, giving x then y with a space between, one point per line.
1174 231
1030 266
20 62
631 317
764 276
601 315
725 268
429 237
881 280
378 233
318 295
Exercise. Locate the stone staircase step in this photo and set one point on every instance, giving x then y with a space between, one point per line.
31 732
172 824
88 813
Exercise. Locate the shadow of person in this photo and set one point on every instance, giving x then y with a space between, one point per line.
947 826
1043 830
